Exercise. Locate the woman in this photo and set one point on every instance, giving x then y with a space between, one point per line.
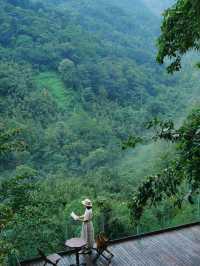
87 232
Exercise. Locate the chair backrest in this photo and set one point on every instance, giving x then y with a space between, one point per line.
102 241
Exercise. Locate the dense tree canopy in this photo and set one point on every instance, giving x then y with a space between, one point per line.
78 81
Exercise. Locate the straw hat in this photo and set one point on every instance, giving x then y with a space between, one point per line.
87 202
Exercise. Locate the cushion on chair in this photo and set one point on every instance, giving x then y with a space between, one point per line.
54 258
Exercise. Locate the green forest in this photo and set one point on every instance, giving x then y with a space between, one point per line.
87 112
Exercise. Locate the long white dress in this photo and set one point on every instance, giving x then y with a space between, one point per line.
87 232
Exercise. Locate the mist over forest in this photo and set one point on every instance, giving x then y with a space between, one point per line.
79 83
158 7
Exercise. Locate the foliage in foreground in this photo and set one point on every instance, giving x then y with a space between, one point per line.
181 180
180 32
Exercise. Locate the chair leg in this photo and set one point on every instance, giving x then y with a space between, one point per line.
105 257
57 262
100 253
109 252
97 255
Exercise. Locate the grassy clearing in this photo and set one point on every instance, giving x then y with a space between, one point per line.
52 82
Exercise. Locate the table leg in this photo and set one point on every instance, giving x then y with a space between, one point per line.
77 258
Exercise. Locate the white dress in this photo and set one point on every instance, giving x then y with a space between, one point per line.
87 232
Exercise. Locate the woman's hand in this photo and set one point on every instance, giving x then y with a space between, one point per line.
81 218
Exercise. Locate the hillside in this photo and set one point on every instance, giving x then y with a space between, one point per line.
77 79
108 53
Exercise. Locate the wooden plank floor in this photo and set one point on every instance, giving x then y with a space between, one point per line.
175 248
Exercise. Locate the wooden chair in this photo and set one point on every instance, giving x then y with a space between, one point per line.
52 259
102 247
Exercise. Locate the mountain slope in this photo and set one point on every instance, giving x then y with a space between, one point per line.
77 78
104 54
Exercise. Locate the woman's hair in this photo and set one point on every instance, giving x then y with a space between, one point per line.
88 207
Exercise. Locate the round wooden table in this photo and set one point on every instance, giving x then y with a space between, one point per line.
77 244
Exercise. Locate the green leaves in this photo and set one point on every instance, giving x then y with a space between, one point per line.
168 183
9 141
154 190
6 214
163 130
180 33
131 142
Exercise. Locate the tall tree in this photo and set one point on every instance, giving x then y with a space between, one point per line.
180 32
182 173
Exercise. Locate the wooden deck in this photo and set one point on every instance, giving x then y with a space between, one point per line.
180 247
